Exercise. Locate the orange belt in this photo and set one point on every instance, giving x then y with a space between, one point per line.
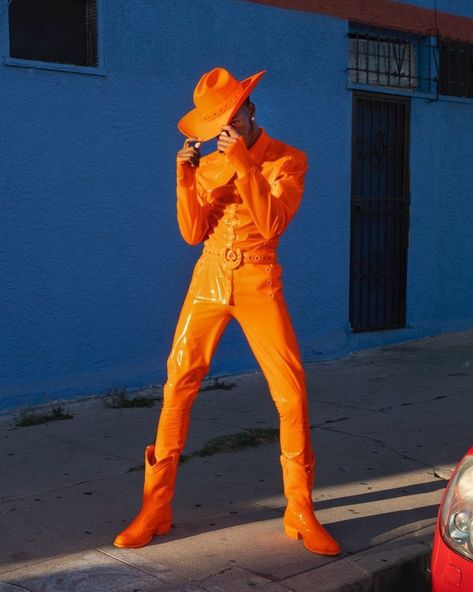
234 257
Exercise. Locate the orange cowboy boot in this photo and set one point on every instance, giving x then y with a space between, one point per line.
299 518
155 516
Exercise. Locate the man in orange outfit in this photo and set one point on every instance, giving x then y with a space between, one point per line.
237 200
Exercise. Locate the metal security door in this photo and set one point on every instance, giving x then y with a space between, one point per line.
379 211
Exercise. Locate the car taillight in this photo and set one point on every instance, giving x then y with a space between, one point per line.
456 518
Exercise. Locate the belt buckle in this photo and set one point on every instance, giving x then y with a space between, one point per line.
232 257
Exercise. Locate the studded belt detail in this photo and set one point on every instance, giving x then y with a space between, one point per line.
234 257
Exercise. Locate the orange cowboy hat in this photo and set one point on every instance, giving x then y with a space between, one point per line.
217 97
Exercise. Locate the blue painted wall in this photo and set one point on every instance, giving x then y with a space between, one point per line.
94 270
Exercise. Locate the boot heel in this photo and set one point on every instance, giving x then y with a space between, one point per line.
292 532
162 528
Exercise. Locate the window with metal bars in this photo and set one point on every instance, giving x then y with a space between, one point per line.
389 58
456 68
60 31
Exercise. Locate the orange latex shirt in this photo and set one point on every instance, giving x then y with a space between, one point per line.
238 204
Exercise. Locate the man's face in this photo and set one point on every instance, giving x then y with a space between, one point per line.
241 123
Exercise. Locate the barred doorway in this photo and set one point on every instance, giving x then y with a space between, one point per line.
379 211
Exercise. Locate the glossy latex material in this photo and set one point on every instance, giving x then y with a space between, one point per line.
244 200
155 516
238 204
261 311
299 518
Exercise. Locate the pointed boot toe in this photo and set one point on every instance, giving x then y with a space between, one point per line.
302 523
327 548
141 530
132 539
321 542
299 518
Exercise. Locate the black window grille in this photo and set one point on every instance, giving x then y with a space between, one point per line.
456 68
60 31
389 58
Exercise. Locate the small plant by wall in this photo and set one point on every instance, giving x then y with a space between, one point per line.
31 417
215 384
121 399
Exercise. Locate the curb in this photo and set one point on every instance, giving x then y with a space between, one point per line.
400 564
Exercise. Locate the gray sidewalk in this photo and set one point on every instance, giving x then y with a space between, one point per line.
387 426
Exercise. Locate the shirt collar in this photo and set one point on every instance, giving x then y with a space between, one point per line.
259 147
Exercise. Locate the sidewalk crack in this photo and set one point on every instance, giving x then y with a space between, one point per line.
134 566
377 441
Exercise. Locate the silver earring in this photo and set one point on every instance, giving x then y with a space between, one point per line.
252 118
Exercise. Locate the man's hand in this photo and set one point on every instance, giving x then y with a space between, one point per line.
190 153
228 136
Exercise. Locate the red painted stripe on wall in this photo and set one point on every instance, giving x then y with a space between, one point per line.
386 13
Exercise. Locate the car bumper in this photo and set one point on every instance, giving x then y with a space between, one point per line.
450 571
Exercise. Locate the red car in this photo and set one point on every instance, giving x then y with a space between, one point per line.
452 554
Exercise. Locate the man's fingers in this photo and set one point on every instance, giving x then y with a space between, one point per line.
226 143
187 142
230 131
191 151
190 154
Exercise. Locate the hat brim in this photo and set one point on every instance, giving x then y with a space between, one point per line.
193 126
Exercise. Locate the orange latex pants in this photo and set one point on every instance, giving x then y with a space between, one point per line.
257 302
